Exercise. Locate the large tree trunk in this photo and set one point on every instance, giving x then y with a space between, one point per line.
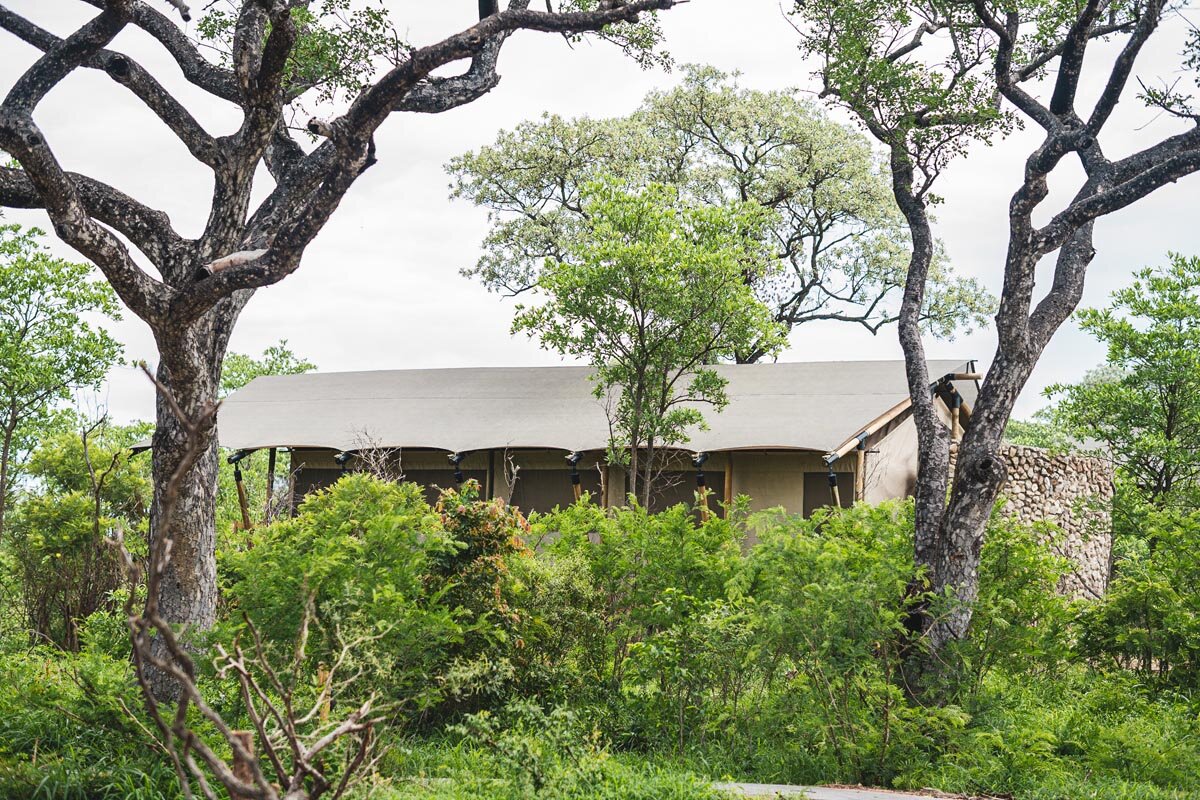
949 535
979 474
933 438
190 368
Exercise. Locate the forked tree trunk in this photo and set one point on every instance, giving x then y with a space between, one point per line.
949 534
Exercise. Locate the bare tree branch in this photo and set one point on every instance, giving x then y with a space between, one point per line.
133 76
1123 67
148 229
196 69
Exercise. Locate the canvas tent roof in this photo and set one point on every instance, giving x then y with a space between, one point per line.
808 406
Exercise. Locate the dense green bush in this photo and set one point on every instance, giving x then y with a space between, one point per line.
615 653
357 556
831 603
70 728
640 567
1083 735
424 596
1149 621
1021 624
784 661
56 532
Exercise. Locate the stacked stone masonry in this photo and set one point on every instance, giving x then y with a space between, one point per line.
1075 493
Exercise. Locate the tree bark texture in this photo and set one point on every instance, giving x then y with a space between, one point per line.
190 369
5 458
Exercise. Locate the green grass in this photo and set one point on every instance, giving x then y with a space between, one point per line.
450 769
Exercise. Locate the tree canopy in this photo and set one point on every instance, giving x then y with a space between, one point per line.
277 359
840 242
651 292
50 344
1144 404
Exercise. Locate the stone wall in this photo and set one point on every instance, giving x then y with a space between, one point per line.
1075 493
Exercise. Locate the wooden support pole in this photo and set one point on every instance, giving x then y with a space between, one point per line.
241 766
243 501
860 477
573 460
270 483
490 489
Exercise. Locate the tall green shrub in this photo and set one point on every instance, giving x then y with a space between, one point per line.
359 555
831 600
1149 621
57 531
425 595
634 559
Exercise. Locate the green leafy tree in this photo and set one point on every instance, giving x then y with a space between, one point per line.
48 346
1144 404
278 359
833 227
650 293
82 485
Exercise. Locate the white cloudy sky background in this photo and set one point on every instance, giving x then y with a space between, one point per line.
380 287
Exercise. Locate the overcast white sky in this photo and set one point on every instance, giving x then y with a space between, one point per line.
380 287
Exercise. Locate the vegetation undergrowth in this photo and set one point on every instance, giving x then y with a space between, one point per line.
596 652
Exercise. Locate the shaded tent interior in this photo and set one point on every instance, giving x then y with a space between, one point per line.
787 429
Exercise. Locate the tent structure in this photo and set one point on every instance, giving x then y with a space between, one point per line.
786 429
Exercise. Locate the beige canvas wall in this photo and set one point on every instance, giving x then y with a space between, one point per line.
891 471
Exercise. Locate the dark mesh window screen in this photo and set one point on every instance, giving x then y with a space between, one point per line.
679 486
543 489
818 493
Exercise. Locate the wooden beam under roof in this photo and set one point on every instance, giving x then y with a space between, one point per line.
892 413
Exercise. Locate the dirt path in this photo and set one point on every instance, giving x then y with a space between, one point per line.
773 790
